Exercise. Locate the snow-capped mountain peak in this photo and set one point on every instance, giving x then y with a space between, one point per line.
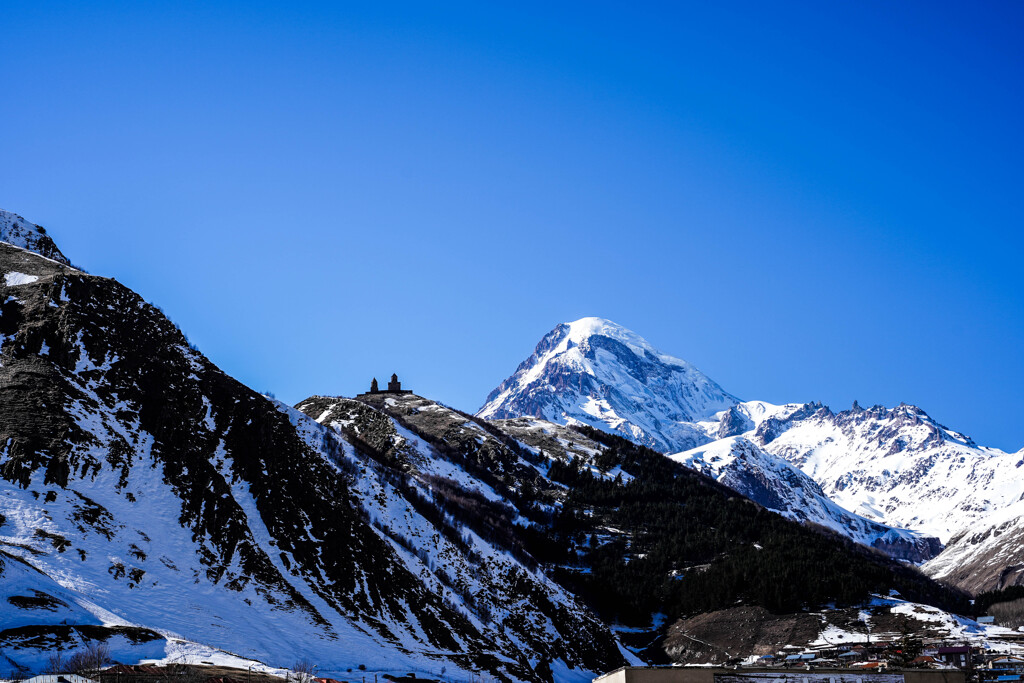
594 371
580 331
895 465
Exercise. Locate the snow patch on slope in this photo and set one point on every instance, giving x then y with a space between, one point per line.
14 279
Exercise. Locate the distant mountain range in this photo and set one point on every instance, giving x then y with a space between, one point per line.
890 478
152 502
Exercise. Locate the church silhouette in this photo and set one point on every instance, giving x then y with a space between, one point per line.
394 387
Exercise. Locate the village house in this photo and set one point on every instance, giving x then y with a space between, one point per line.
958 656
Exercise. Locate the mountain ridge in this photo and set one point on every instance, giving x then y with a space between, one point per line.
895 471
249 503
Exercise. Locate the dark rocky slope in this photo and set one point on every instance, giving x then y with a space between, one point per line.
133 467
631 532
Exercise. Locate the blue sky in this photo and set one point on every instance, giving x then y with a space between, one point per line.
809 201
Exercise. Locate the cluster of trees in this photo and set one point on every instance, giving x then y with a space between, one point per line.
1009 613
686 544
91 658
1006 605
662 539
989 598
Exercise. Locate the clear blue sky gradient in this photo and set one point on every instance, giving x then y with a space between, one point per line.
809 201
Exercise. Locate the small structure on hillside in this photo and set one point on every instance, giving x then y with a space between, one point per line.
394 387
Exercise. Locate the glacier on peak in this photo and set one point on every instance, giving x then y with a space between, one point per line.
596 372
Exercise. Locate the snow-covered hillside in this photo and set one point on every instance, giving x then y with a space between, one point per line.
595 372
464 561
896 466
985 556
771 481
148 499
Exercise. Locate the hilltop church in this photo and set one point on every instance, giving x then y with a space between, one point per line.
394 387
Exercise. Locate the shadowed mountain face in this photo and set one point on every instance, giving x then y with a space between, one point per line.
138 480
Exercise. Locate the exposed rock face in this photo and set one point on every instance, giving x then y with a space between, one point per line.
771 427
717 637
733 423
734 633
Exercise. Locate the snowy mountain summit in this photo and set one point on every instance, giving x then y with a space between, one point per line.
593 371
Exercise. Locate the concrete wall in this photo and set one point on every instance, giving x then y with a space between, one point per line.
934 676
632 674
